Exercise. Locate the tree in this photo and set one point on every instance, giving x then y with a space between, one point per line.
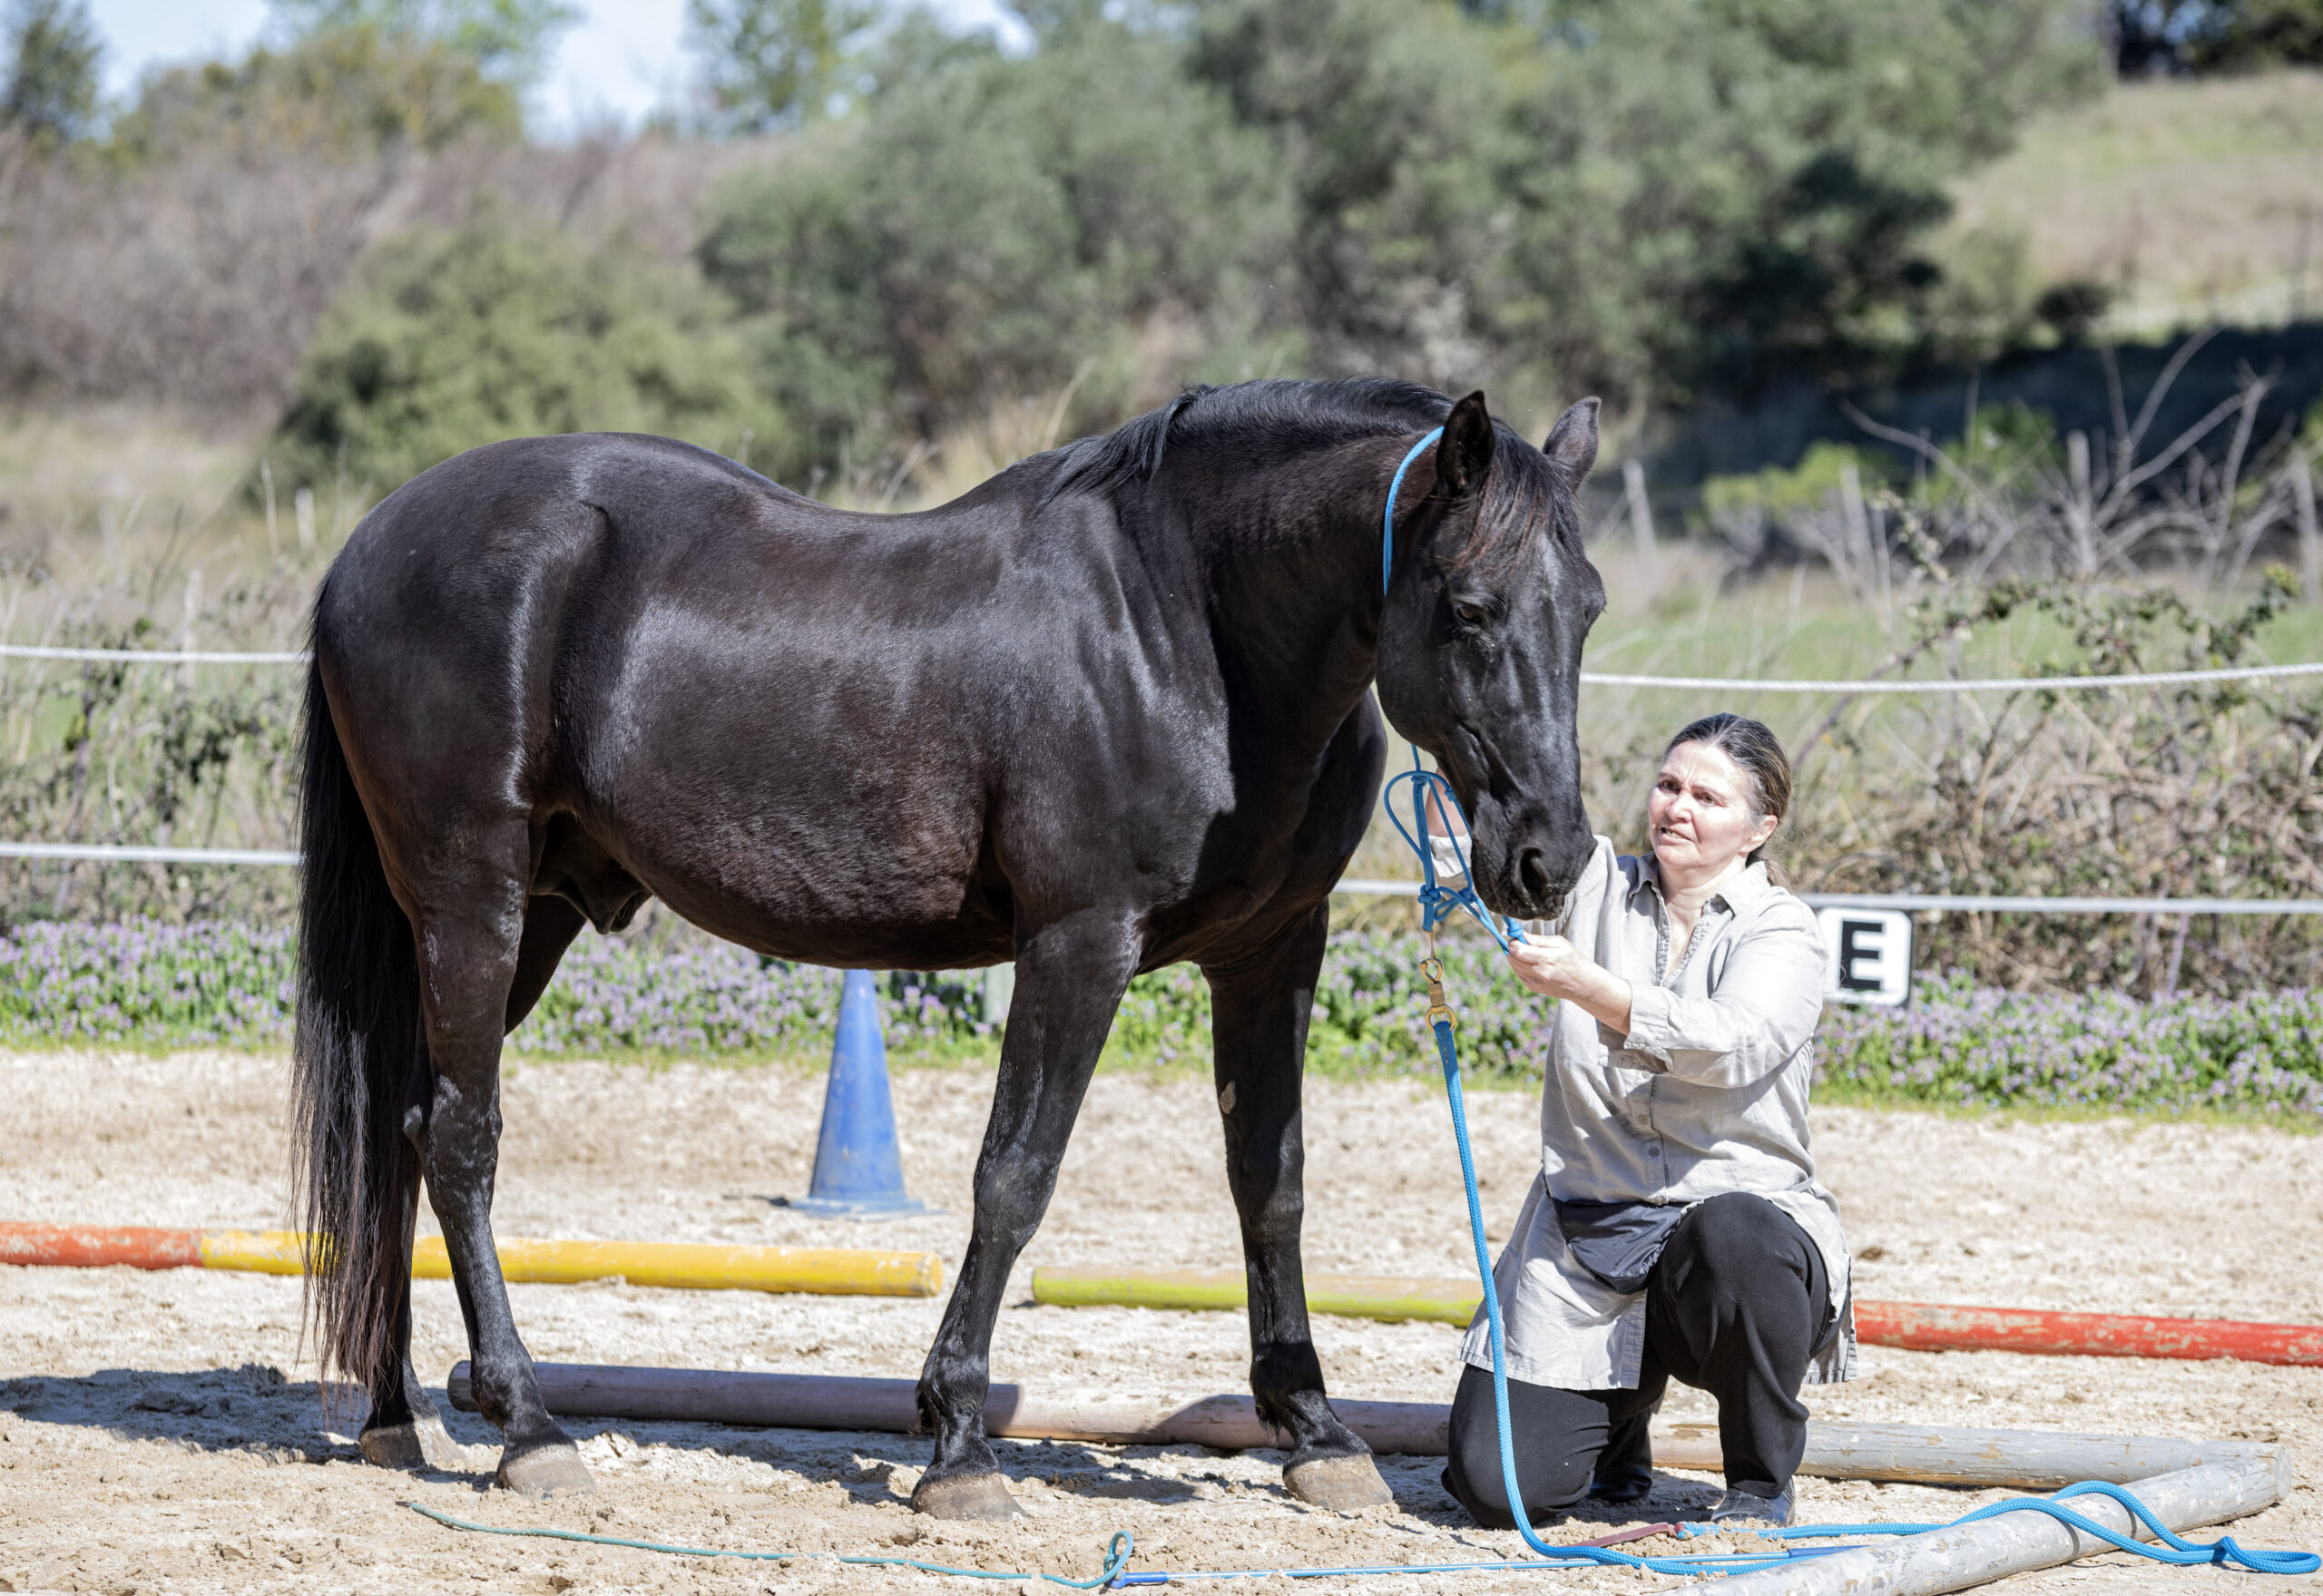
346 94
993 228
508 39
2160 36
1642 198
773 63
52 87
2263 33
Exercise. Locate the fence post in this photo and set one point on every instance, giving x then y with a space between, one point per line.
185 629
1641 511
2310 542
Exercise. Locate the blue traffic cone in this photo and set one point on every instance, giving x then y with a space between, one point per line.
858 1169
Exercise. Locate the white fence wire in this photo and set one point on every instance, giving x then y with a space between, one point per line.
1967 901
151 656
1588 678
104 853
123 854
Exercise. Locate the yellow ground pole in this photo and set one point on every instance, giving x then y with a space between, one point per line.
1363 1297
260 1252
830 1270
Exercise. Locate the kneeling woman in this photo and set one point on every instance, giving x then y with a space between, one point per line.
1677 1230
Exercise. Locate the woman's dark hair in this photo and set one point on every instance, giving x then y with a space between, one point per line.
1751 746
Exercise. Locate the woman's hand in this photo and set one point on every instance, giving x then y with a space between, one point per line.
1554 967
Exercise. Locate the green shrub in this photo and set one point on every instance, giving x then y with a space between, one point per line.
1967 1047
1778 495
449 339
1958 1046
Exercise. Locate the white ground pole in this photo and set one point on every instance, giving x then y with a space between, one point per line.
2014 1542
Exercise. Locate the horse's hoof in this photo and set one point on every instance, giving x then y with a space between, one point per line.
968 1496
1342 1485
420 1442
551 1470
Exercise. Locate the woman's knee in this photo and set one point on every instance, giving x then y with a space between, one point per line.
1555 1455
1738 1236
1741 1222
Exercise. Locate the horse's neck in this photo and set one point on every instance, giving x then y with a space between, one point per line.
1298 606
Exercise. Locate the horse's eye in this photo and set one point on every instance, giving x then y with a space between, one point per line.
1473 615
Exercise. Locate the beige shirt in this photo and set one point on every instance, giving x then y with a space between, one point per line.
1706 1094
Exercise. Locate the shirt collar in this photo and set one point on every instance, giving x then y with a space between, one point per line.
1737 894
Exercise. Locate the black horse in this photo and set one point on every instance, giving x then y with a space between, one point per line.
1108 712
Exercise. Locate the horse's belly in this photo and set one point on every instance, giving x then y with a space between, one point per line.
841 889
847 929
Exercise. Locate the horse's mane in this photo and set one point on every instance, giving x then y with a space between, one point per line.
1283 415
1289 417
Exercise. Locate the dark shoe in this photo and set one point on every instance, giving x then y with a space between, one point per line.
1745 1511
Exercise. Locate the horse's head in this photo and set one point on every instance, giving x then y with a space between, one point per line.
1489 600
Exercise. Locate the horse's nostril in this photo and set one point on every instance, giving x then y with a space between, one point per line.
1532 873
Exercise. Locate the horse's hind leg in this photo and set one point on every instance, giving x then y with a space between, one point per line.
469 938
1069 981
1259 1014
403 1430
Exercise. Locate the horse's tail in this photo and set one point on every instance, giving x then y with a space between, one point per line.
352 1065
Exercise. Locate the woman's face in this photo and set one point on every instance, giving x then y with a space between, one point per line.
1699 814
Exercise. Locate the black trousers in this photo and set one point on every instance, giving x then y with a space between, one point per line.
1735 1306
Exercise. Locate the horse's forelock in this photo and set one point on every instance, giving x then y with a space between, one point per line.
1526 501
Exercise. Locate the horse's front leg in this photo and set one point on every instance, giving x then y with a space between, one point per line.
1259 1013
1070 978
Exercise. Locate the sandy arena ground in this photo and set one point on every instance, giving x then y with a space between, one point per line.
159 1432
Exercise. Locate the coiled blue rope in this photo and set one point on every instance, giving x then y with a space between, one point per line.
2224 1552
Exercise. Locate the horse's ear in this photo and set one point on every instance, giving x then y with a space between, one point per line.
1465 454
1572 447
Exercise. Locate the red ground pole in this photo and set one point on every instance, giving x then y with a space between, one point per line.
1929 1326
97 1246
1922 1326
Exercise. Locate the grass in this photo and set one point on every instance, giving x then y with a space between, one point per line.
2194 200
1829 1095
